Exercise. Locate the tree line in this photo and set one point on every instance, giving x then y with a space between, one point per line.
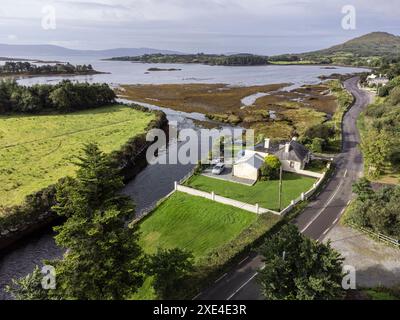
63 97
209 59
20 67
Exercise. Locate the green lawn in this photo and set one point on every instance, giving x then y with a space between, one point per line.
36 151
265 193
213 232
193 223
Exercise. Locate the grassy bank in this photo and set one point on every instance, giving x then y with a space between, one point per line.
36 151
265 193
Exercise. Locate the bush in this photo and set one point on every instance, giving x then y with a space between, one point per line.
394 96
321 130
317 145
270 168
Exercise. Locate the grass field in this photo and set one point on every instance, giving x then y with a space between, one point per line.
213 232
193 223
36 151
265 193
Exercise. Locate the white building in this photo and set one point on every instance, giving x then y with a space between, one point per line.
375 80
293 156
248 167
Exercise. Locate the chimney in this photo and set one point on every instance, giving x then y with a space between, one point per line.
267 143
294 138
287 147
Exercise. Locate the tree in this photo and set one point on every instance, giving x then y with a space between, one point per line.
394 96
270 168
363 189
28 287
298 268
376 147
104 260
317 145
170 268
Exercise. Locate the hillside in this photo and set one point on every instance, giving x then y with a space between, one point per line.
372 44
366 51
37 51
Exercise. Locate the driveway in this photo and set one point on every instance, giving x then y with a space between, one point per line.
227 176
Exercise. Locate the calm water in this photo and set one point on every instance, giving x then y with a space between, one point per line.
124 72
155 181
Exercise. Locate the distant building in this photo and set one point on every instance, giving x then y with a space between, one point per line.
375 80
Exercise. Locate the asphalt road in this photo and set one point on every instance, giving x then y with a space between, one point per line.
317 219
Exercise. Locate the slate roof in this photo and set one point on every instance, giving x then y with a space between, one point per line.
254 160
297 152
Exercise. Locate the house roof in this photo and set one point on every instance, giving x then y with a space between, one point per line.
254 160
297 152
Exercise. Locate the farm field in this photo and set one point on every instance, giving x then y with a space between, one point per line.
36 151
265 193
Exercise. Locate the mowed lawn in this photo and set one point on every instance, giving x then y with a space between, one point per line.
265 193
36 151
193 223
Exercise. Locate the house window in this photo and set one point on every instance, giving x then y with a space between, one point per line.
292 164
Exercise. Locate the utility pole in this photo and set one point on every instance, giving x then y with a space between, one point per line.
280 189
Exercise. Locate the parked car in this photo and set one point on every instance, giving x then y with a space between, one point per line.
218 169
216 161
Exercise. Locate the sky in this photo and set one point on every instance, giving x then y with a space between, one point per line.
211 26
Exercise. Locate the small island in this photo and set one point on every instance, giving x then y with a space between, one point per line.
163 69
19 68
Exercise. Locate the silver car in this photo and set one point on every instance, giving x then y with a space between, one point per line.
218 169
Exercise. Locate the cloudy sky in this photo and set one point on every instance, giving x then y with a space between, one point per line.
257 26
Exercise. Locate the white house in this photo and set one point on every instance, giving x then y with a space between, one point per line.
247 167
293 156
374 80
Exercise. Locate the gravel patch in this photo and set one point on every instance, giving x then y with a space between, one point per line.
376 263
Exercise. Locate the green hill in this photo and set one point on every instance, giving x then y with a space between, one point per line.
369 50
371 44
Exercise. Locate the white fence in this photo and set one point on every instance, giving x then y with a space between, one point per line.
304 195
250 207
212 196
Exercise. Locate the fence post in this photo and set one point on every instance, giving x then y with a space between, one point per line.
175 185
212 195
257 208
303 196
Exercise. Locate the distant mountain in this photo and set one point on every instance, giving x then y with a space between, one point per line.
37 51
371 44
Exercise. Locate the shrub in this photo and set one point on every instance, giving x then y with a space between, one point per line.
394 96
270 168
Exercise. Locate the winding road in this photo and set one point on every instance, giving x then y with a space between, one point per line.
320 216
